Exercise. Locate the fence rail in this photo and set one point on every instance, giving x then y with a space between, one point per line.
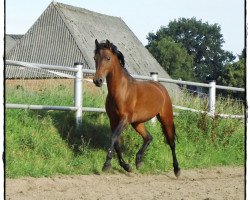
78 96
48 107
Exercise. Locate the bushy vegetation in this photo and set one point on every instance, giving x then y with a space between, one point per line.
45 143
196 48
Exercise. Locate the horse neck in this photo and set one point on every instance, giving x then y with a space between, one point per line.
117 80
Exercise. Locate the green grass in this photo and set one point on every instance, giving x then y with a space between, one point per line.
45 143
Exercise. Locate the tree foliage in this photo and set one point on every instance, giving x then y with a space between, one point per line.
202 41
173 57
234 74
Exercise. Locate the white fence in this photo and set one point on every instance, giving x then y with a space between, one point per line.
78 96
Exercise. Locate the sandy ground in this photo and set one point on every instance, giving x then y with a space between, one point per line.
205 184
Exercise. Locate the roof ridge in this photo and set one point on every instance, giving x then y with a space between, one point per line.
80 9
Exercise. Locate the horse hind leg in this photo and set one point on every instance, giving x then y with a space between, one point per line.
168 129
147 138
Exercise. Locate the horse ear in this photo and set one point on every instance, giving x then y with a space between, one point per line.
107 42
96 43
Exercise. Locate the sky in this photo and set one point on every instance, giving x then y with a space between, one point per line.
143 16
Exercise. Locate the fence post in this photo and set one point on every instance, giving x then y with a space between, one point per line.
154 75
212 95
78 94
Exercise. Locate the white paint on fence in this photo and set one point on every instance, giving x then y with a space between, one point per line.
78 94
209 113
37 66
154 76
212 95
40 107
48 107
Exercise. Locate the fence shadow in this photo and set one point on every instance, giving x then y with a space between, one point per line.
95 135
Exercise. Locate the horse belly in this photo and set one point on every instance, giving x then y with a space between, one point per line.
149 104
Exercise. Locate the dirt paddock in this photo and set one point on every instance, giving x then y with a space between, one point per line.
204 184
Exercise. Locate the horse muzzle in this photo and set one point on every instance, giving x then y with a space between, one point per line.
98 81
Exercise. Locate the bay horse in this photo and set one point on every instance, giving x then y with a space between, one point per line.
131 102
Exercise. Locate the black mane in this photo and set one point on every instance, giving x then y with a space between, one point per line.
113 48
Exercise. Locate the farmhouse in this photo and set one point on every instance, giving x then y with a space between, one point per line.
65 34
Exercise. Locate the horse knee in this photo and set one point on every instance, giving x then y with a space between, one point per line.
148 139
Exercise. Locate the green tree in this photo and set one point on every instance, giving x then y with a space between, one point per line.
202 41
173 57
234 74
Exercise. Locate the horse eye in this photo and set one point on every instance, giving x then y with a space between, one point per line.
108 58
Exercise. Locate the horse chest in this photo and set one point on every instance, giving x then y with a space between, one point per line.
119 106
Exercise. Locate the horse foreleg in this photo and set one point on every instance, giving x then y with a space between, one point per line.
122 163
147 138
114 140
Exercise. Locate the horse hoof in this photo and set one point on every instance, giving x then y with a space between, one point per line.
127 167
106 167
139 165
177 173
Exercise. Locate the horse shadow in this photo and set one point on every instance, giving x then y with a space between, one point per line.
94 133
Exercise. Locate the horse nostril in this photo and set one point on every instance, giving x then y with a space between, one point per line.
98 81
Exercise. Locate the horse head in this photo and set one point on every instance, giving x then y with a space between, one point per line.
106 56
